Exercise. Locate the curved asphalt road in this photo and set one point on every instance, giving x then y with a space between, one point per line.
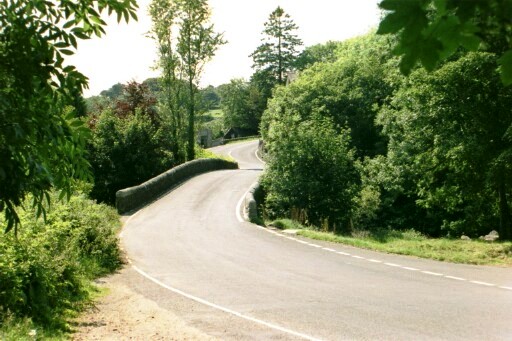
191 243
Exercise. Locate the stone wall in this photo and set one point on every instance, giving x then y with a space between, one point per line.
136 197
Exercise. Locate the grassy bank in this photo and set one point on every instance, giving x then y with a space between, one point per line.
412 243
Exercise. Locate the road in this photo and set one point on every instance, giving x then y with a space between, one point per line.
238 281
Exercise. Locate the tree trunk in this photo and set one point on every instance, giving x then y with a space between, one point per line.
505 218
191 121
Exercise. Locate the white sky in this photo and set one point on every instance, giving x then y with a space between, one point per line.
125 53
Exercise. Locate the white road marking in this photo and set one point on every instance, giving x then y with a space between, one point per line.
256 153
456 278
241 219
432 273
226 310
483 283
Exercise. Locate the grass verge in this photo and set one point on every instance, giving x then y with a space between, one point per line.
412 243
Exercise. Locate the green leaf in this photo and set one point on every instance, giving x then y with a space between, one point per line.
69 24
505 63
66 52
392 23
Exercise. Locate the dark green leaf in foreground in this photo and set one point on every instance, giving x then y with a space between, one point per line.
39 148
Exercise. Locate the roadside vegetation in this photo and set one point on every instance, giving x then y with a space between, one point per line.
362 146
419 160
47 268
411 243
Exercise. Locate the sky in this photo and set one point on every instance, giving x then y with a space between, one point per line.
126 53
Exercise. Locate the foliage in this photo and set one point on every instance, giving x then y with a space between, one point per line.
280 46
209 98
319 53
450 134
44 270
186 42
127 151
114 92
429 31
310 174
237 105
41 143
136 97
350 91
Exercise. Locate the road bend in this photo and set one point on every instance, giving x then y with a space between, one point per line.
239 281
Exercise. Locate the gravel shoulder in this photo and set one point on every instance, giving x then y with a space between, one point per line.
124 314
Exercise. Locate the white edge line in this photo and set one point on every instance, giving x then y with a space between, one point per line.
123 227
456 278
241 219
226 310
256 154
239 205
432 273
483 283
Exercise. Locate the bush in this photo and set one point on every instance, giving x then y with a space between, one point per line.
45 268
127 151
310 175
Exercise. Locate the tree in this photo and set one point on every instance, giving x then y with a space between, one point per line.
126 151
114 92
186 42
237 105
349 91
210 99
197 44
136 96
429 31
450 136
41 142
280 46
164 14
310 174
320 53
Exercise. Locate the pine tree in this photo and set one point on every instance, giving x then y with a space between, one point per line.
280 46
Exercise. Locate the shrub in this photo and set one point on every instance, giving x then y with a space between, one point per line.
310 175
127 151
44 269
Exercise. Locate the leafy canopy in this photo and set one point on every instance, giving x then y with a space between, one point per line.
432 30
41 142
